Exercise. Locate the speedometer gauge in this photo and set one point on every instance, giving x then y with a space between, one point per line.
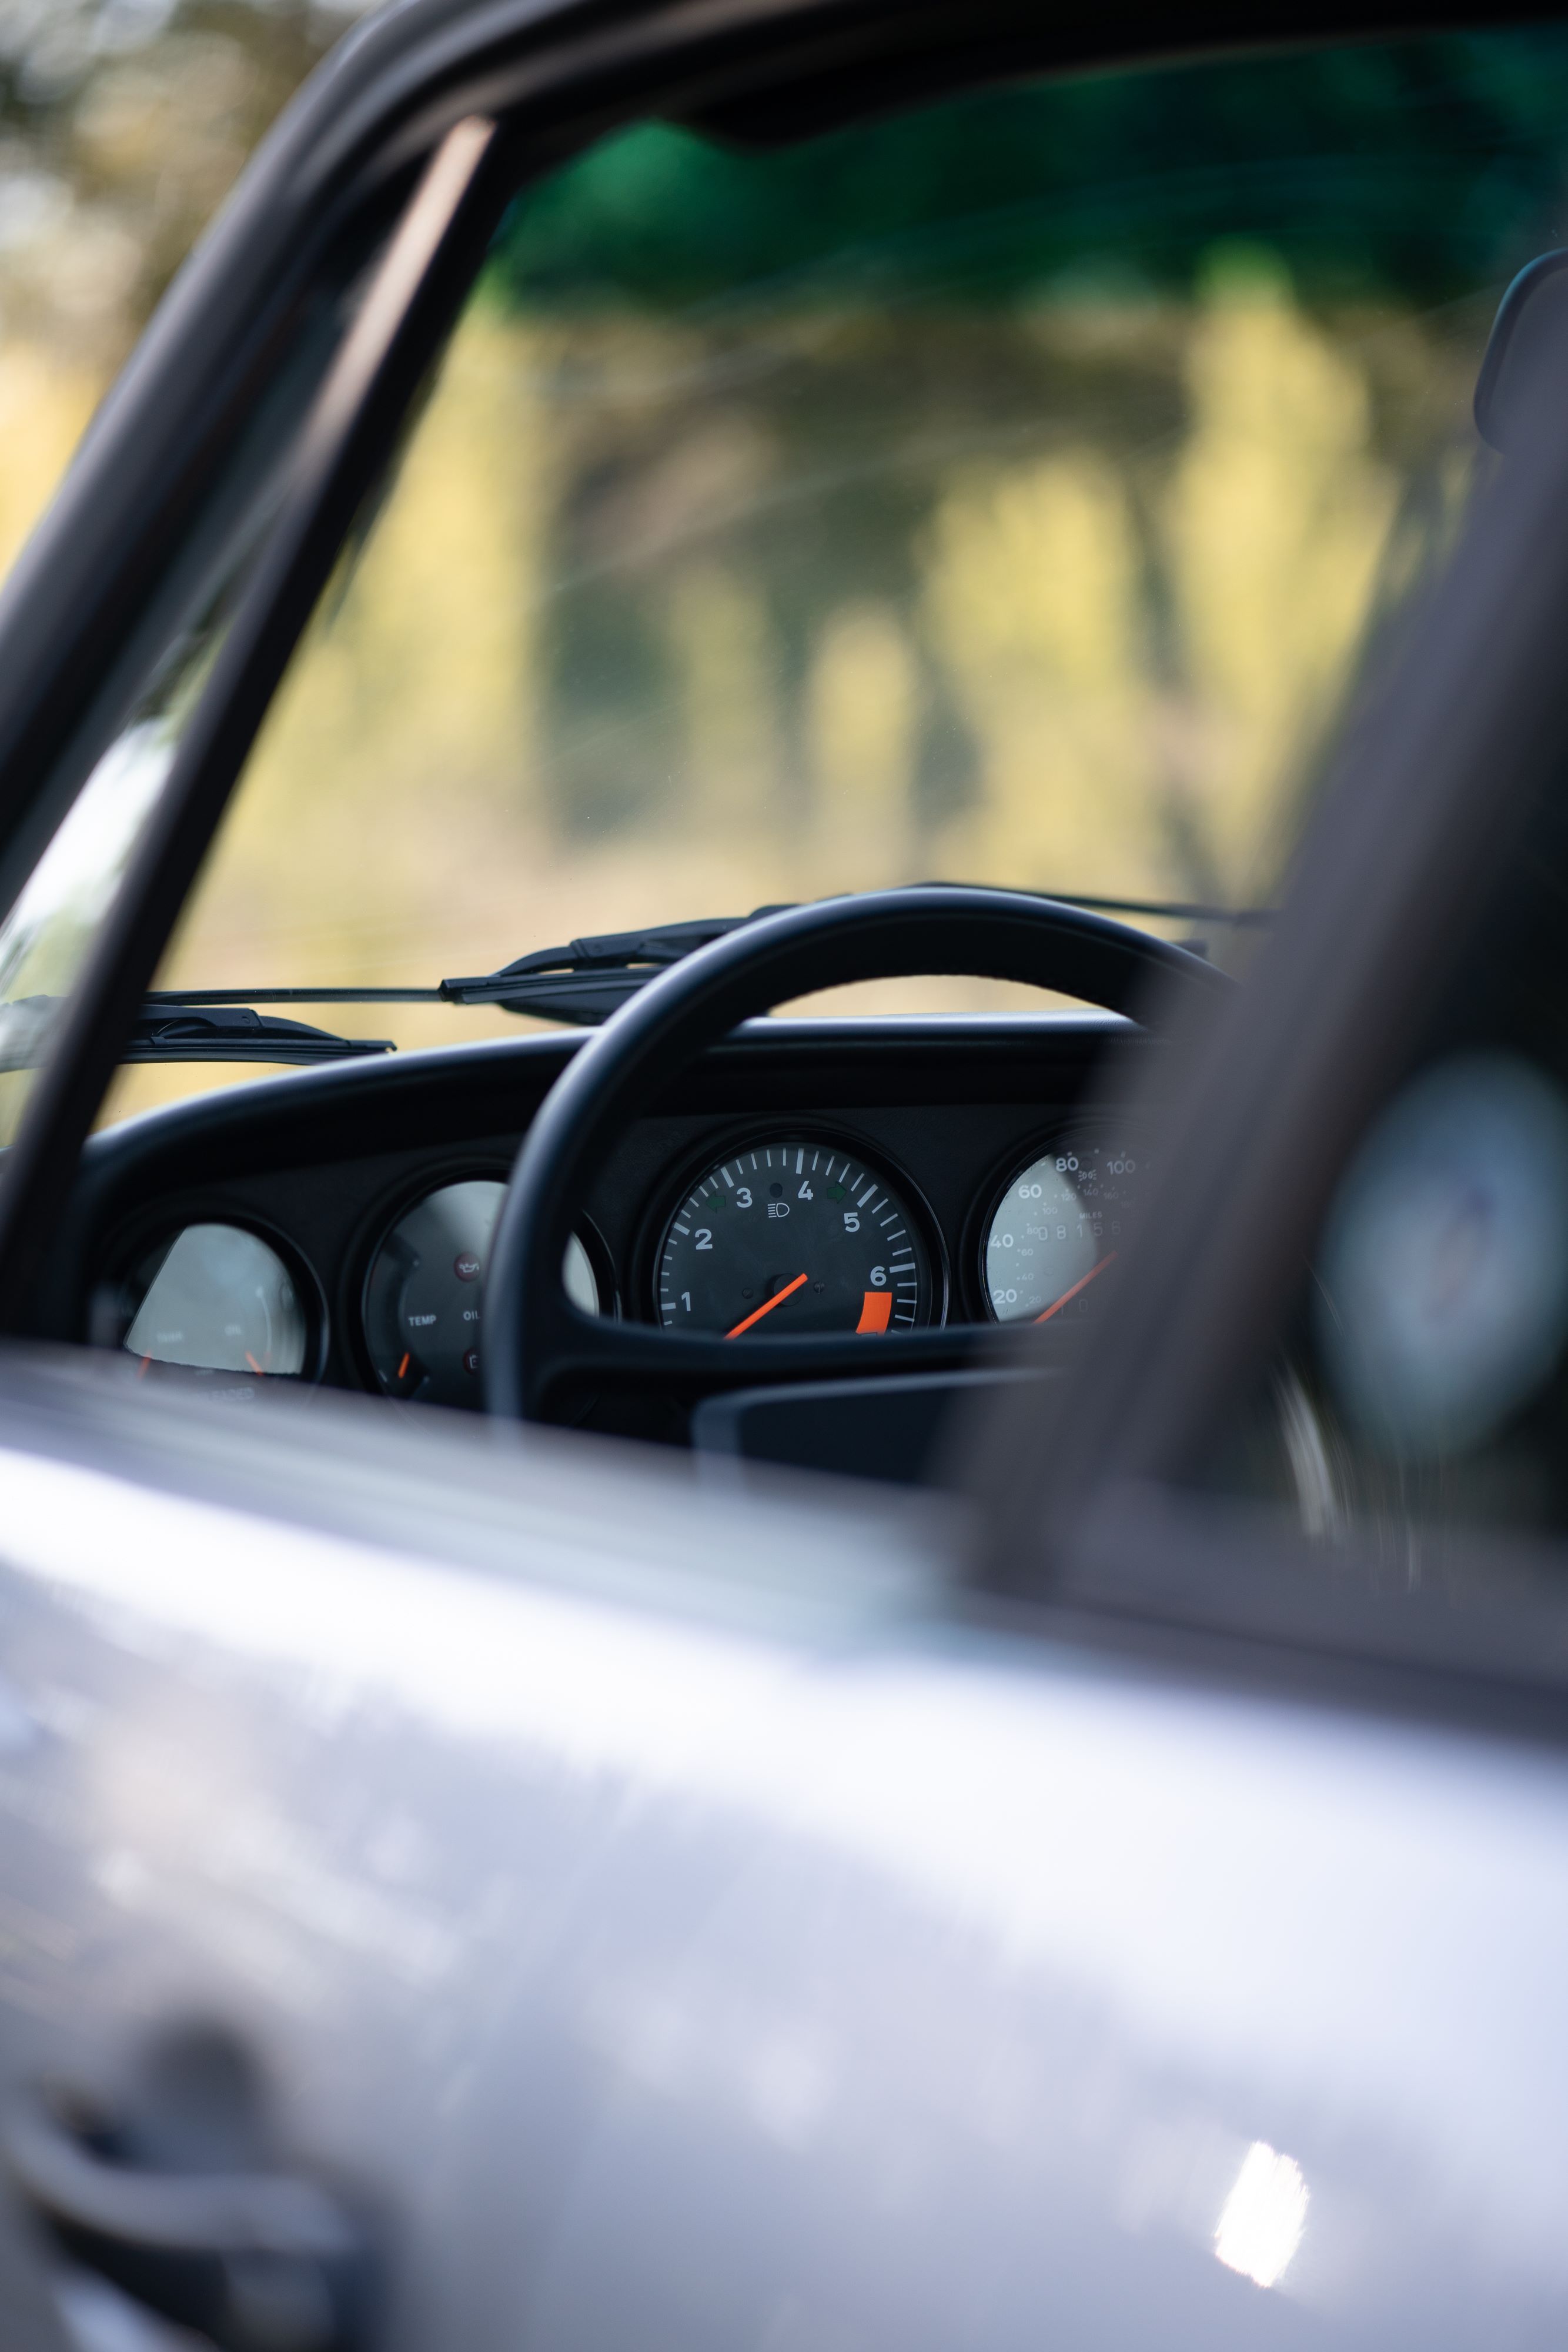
793 1234
1059 1224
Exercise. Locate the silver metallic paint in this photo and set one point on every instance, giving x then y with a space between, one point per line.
700 1930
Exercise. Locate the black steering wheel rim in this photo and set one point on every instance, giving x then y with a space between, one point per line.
537 1345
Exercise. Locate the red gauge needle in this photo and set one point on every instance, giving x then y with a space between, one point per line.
777 1300
1058 1304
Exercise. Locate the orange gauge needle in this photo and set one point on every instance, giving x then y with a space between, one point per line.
1058 1304
777 1300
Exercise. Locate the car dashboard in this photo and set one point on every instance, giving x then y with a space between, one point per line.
331 1227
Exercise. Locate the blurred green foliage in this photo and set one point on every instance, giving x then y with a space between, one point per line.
123 123
1419 167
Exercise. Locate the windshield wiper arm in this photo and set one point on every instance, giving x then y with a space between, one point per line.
589 978
583 981
171 1029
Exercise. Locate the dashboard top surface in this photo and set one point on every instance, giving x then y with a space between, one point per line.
324 1163
971 1057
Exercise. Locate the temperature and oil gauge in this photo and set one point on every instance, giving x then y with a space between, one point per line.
1061 1223
793 1234
423 1294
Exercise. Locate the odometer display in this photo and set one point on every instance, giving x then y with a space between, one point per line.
1061 1225
793 1234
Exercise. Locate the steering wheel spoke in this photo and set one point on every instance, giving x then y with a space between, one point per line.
593 1356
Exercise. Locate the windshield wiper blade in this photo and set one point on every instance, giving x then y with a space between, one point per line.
171 1029
583 981
587 979
178 1031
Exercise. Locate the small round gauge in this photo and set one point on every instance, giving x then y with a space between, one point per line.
423 1294
793 1234
1059 1224
217 1298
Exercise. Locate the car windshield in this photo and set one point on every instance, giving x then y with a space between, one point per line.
1013 490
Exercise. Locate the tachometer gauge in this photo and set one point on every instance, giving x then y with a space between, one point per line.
1059 1224
793 1234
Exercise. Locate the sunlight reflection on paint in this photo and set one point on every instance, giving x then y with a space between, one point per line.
673 1654
1262 2220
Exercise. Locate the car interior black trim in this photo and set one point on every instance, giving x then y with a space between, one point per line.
891 1428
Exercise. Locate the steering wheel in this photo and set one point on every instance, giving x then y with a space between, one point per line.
541 1352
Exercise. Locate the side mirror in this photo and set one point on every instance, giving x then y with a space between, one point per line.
1530 329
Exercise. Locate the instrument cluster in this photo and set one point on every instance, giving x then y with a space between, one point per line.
781 1229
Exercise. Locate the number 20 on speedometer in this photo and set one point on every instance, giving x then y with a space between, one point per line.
793 1234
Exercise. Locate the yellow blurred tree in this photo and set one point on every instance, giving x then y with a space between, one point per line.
45 399
1032 601
1272 526
1148 665
398 759
863 705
